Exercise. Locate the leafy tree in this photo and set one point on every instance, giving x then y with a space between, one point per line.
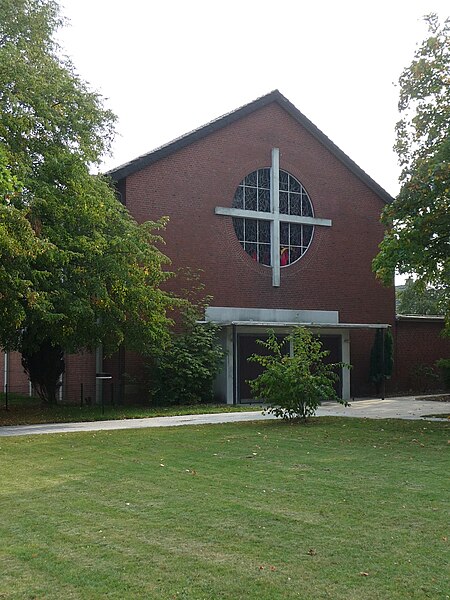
76 270
417 240
294 386
415 299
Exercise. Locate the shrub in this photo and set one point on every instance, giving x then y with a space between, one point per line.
378 370
184 371
444 365
424 378
294 386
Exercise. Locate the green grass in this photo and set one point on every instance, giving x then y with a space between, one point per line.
26 411
341 508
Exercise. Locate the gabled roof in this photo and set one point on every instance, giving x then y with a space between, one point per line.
147 159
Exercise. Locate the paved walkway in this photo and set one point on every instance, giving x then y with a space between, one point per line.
390 408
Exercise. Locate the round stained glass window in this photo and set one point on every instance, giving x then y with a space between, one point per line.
254 234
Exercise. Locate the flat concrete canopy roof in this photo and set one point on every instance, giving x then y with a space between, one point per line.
311 325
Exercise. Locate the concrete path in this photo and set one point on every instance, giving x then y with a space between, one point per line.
391 408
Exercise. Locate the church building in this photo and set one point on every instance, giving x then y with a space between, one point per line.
283 226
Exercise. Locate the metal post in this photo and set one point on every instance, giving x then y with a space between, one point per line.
383 378
61 386
121 360
5 371
6 396
235 382
100 377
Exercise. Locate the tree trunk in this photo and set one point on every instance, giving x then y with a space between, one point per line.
44 365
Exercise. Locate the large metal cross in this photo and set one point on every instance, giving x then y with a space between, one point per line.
274 216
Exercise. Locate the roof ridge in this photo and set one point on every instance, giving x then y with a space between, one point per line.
184 140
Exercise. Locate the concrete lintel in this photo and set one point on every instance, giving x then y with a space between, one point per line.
229 314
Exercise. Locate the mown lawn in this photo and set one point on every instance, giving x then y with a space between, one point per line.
28 411
341 509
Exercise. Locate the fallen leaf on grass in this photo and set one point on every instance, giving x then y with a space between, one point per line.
364 573
312 552
271 568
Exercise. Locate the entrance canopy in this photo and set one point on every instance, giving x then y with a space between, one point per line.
275 317
239 325
312 325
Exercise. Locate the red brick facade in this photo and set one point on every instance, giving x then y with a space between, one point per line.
334 274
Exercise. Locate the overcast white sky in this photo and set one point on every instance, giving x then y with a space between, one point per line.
169 66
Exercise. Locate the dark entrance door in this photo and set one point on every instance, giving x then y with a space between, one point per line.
246 370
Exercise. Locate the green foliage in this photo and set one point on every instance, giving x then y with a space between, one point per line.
417 240
184 370
294 386
76 268
443 365
18 248
381 358
417 299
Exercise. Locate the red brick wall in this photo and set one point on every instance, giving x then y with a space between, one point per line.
418 344
17 378
80 368
80 371
334 274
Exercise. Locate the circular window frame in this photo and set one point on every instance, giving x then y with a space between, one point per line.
253 193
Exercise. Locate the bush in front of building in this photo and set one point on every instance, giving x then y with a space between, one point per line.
294 385
184 371
381 358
